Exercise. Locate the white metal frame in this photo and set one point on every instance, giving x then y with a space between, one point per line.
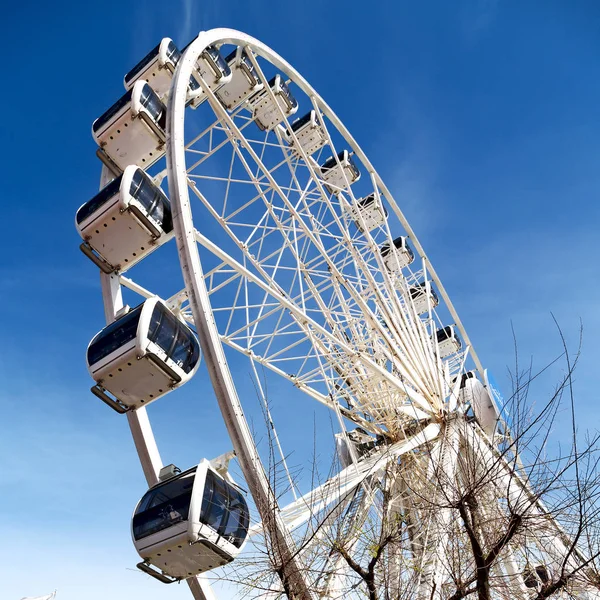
385 369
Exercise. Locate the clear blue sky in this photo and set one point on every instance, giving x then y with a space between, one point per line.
482 116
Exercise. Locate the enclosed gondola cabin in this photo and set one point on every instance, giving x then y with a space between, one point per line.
143 355
213 69
423 297
132 131
244 80
473 392
268 112
127 220
189 524
339 173
397 256
369 213
448 341
156 68
534 578
309 133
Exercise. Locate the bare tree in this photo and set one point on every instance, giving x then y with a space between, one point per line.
463 515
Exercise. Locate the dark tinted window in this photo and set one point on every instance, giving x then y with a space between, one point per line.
366 201
142 64
285 90
152 199
217 58
114 336
163 506
417 290
236 527
445 334
399 242
101 121
224 509
177 340
103 196
151 102
245 60
298 123
165 335
331 162
173 53
214 502
353 166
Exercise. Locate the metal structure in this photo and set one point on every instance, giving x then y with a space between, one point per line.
296 258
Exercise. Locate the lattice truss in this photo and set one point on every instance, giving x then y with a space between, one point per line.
299 285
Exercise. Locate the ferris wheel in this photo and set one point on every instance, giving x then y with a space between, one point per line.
297 259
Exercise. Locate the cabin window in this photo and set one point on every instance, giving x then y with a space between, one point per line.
150 101
142 64
152 199
103 196
224 509
163 328
111 112
445 334
299 123
114 336
214 502
177 341
172 53
163 506
238 519
217 57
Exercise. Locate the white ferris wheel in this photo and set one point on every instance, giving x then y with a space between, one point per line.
296 257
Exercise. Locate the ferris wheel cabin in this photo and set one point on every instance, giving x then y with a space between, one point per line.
127 220
244 80
448 341
473 392
336 172
156 68
369 213
189 524
423 297
132 131
397 256
267 113
213 69
143 355
309 133
535 577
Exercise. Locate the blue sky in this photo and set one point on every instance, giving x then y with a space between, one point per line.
480 115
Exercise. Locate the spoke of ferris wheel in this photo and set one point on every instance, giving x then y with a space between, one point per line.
442 468
268 415
365 361
348 531
411 410
410 377
299 511
354 259
265 275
